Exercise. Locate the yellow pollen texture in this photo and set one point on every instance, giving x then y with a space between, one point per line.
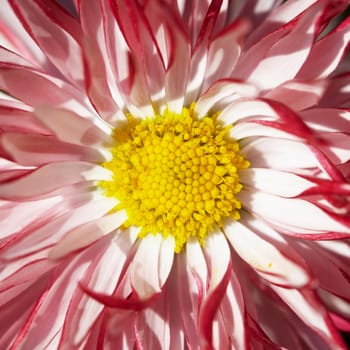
175 175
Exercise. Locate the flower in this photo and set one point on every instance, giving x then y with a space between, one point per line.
174 174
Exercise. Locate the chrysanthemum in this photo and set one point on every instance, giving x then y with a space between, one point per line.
174 175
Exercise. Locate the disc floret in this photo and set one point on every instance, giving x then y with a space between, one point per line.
176 175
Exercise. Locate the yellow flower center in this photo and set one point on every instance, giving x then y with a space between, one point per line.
175 175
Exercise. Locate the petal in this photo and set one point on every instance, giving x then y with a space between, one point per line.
224 51
298 95
291 214
15 38
56 33
276 182
100 83
151 265
327 119
86 234
16 119
49 314
174 44
326 54
16 216
35 150
273 261
219 265
230 319
201 43
338 92
14 314
267 152
51 177
197 267
220 90
41 235
70 127
280 59
331 271
83 310
280 16
44 89
166 257
153 326
139 38
310 310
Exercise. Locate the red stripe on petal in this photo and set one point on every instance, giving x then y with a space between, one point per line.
210 307
131 303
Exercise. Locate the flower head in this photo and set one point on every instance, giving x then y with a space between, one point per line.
174 174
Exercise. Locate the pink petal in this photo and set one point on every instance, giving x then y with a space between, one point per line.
338 93
280 16
50 311
139 38
298 95
83 310
174 45
71 127
153 326
190 295
51 177
339 307
224 49
14 314
11 58
327 119
16 119
19 275
44 89
40 235
197 269
16 216
123 79
255 10
310 310
332 271
244 130
15 38
326 54
35 150
273 62
98 76
56 33
200 52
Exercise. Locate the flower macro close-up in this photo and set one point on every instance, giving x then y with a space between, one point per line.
174 174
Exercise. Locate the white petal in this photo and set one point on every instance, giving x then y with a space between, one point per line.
290 214
221 90
166 257
276 182
218 252
147 276
273 264
280 154
84 235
